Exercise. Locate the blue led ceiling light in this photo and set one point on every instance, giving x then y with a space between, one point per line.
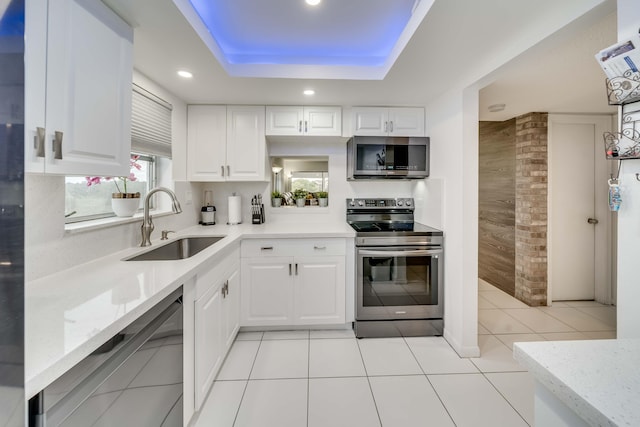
335 39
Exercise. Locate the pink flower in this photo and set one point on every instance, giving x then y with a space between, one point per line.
133 163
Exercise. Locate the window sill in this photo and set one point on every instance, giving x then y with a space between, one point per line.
97 224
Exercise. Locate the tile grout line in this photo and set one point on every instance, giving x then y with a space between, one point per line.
364 365
429 381
501 395
248 379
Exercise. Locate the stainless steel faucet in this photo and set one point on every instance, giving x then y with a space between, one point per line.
147 223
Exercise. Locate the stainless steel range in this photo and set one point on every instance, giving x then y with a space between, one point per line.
399 286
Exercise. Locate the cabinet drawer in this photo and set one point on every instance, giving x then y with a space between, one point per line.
292 247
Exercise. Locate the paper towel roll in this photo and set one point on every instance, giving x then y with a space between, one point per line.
235 210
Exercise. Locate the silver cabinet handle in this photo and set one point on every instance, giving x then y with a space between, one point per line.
222 169
300 126
228 170
266 248
289 269
296 268
38 141
385 126
306 126
391 126
225 289
57 145
319 248
592 221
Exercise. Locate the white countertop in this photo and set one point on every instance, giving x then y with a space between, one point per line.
70 313
598 379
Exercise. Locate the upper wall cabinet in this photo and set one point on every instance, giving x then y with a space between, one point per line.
78 69
315 121
382 121
226 143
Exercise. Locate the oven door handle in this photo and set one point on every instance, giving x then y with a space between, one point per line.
419 252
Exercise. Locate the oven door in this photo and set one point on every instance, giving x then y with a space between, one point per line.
399 283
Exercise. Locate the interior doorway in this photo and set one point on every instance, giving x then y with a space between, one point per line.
579 241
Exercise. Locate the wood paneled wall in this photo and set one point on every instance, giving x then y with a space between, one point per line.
496 200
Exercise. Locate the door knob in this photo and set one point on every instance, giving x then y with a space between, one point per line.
592 221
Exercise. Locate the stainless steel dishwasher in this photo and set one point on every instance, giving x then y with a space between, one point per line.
134 379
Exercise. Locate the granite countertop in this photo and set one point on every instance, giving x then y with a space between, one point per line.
70 313
598 379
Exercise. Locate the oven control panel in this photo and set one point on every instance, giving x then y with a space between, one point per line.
380 203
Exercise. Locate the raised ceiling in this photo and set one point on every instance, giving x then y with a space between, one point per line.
451 43
355 39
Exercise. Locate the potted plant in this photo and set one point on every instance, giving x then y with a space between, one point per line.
323 199
300 195
276 199
123 203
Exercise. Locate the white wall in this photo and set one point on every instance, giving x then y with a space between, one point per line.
339 188
452 124
49 248
628 291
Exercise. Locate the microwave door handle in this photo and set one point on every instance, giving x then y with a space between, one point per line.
400 253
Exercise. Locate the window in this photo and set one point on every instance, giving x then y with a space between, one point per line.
84 202
310 181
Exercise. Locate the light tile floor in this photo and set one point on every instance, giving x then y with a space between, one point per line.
330 378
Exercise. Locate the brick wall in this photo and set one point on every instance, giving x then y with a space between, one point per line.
531 209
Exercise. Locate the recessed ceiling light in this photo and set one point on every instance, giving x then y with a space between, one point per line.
313 2
494 108
309 92
184 73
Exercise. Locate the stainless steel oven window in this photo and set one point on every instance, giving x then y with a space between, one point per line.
399 283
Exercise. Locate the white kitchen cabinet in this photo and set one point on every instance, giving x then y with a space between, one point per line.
208 341
226 143
293 282
78 69
319 290
311 121
392 121
217 320
231 307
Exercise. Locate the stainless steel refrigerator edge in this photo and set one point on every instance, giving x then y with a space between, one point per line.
12 407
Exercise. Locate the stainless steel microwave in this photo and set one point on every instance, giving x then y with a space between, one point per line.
381 157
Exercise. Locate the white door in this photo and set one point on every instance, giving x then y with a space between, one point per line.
206 142
283 120
326 121
370 121
231 308
88 104
246 144
405 121
319 289
208 341
267 291
579 248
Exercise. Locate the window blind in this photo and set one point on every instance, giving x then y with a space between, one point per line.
150 123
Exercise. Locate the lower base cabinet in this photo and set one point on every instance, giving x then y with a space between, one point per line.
308 289
217 316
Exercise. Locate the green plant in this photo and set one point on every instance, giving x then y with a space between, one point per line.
322 194
276 195
300 194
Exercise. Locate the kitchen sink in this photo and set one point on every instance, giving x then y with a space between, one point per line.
183 248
